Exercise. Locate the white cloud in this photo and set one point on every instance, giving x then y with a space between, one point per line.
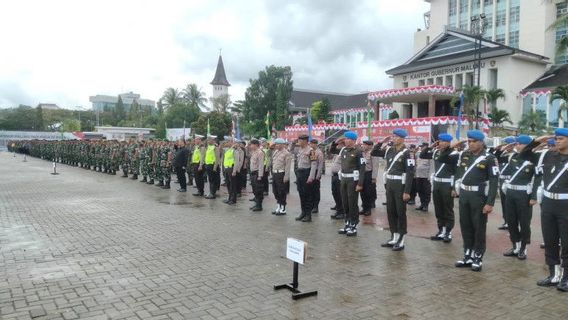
63 51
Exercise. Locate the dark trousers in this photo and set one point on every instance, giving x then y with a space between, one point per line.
316 186
444 205
257 188
265 181
336 192
369 193
350 200
180 172
233 185
424 190
473 222
198 175
519 215
305 190
213 177
503 201
243 178
190 175
279 188
554 222
396 208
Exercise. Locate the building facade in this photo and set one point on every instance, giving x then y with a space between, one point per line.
220 83
107 103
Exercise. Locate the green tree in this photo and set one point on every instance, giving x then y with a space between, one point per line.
237 107
39 119
493 95
533 122
70 125
221 103
393 115
220 124
270 92
499 116
120 111
193 96
177 113
135 112
472 95
560 93
171 97
160 107
561 21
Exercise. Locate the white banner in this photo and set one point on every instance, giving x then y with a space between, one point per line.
174 134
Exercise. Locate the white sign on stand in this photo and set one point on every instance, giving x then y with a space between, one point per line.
296 250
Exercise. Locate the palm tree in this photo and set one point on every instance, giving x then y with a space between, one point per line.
194 96
498 117
493 95
562 94
171 97
472 95
221 103
533 122
560 21
238 107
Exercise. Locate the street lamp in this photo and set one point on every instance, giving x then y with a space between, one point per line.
477 28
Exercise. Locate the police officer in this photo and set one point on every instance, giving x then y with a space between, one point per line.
442 192
369 192
399 174
212 167
335 149
476 181
256 174
352 180
503 153
232 163
520 196
197 162
281 161
179 163
554 216
305 176
422 179
319 172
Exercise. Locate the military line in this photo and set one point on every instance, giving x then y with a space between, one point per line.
524 172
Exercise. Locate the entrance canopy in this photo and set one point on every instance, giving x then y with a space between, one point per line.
413 94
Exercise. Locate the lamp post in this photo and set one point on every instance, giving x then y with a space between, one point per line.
477 29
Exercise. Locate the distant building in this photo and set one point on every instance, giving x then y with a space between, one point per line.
108 103
220 83
48 106
125 133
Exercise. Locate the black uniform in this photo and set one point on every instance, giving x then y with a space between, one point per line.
504 174
351 175
477 188
180 161
399 174
443 182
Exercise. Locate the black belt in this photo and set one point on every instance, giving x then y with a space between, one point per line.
254 172
336 174
304 169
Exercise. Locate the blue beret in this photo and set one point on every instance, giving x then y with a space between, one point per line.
400 132
524 139
561 132
279 141
445 137
551 142
509 139
350 135
476 135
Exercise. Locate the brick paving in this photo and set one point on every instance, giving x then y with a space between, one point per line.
83 245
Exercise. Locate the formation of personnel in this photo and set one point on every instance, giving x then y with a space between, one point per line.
526 171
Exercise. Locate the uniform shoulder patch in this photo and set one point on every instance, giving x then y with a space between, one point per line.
410 162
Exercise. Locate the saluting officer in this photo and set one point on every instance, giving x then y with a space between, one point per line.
256 174
503 153
319 172
305 176
520 197
442 193
369 193
476 181
335 149
554 216
281 161
352 179
197 161
212 167
399 174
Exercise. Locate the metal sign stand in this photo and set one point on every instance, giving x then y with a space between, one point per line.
296 294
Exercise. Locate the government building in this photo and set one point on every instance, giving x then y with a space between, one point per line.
108 103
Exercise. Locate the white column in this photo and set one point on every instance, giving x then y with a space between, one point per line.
548 105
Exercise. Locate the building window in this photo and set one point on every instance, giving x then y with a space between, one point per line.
405 84
459 81
449 81
500 38
527 103
514 39
515 15
430 81
469 78
439 81
463 7
453 7
475 7
501 18
561 9
421 83
493 78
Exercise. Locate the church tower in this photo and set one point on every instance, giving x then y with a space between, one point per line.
220 83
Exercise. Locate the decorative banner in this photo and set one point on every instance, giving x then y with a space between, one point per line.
382 106
410 91
416 134
537 92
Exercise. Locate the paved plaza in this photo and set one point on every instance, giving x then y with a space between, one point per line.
85 245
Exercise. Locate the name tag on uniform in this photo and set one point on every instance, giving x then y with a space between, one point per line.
410 162
495 171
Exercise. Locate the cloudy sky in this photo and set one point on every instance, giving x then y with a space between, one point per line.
64 51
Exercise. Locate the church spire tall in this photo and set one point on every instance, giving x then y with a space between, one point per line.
220 83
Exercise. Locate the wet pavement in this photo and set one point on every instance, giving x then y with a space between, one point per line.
84 245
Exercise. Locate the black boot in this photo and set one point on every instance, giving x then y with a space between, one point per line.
308 217
522 252
554 277
160 184
144 179
301 216
392 241
563 285
166 185
134 177
338 215
514 251
438 236
477 263
466 261
399 245
151 181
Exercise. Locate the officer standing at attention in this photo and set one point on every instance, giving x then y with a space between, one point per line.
256 174
442 193
319 172
180 161
520 197
399 175
212 167
197 160
369 193
476 182
305 176
554 216
335 149
232 163
352 179
281 161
